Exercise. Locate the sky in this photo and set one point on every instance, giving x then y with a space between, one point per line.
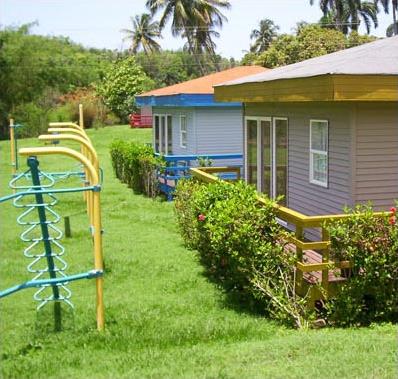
98 23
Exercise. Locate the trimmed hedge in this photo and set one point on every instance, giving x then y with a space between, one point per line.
135 165
241 245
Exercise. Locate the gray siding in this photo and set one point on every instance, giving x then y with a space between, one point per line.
303 196
376 152
219 131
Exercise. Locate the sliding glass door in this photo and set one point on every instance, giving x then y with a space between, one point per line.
267 155
163 134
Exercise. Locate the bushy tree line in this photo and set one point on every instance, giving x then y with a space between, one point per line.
35 70
309 41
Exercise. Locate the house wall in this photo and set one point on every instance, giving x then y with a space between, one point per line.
210 131
375 143
219 131
303 196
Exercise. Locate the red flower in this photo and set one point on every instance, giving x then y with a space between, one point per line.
392 220
393 210
201 217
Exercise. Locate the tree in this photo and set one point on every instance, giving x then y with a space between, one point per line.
143 34
263 36
350 18
393 28
203 47
167 67
344 15
35 70
122 82
189 18
311 41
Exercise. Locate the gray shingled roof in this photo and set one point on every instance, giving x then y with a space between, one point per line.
375 58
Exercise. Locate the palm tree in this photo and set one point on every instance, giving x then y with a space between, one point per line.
203 44
393 28
344 15
143 34
263 36
189 17
337 6
350 17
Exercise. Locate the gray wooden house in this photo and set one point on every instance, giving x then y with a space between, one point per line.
188 121
323 132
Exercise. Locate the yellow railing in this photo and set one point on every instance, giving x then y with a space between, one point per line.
300 222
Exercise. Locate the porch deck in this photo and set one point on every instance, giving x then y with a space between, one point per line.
317 275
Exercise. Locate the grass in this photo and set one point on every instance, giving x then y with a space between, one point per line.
164 318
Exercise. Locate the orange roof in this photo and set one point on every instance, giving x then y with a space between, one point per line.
204 84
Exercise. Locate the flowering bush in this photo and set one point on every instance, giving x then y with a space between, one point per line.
370 243
241 244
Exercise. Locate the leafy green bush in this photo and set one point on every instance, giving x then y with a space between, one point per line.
370 243
123 81
135 165
241 244
33 119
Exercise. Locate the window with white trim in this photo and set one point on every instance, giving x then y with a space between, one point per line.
183 131
319 146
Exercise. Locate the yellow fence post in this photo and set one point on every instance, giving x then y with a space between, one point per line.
325 259
12 148
299 234
81 118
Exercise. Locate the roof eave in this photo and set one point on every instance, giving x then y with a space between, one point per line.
330 87
183 100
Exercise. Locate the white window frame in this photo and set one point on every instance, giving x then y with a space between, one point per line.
182 144
319 152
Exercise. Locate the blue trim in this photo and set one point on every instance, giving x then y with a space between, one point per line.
182 100
194 157
51 282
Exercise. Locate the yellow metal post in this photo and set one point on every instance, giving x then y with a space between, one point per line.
89 152
12 147
96 222
81 118
64 125
78 132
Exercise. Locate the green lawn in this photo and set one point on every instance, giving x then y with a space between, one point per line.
164 319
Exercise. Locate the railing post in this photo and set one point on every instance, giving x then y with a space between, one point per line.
325 259
299 254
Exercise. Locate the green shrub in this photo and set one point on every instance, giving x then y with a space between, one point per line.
61 113
135 165
32 117
370 243
241 244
